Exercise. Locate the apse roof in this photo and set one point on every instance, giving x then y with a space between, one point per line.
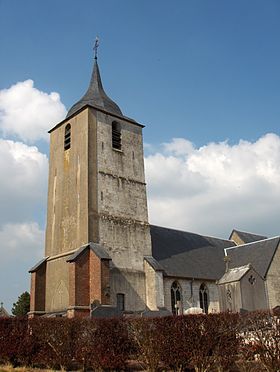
235 274
189 255
96 96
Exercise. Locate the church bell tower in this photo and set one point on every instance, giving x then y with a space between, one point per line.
97 221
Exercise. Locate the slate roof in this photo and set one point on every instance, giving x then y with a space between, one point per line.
38 264
154 263
259 254
189 255
98 249
248 237
235 274
95 96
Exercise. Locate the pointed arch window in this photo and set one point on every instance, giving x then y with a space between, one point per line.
204 298
116 136
176 298
67 137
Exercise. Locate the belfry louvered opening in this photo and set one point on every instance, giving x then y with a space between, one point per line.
116 136
67 137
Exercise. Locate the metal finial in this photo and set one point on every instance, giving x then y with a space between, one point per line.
96 45
1 304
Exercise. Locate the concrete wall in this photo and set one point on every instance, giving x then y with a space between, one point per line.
273 281
131 283
253 295
230 297
241 294
57 284
190 293
154 287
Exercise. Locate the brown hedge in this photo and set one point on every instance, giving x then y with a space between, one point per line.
214 342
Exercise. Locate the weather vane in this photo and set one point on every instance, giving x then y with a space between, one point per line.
96 45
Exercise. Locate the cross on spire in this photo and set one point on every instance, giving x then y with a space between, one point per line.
96 45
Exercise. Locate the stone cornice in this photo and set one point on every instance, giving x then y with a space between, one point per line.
125 179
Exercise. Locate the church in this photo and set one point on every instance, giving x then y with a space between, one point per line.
103 258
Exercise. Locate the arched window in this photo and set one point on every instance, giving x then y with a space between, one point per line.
204 298
116 136
67 137
176 298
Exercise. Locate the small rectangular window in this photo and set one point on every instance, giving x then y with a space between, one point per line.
67 137
120 301
116 136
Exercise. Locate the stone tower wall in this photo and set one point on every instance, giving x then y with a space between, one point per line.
122 209
123 215
97 194
67 215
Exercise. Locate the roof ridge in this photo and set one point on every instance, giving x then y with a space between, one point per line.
247 232
255 242
189 232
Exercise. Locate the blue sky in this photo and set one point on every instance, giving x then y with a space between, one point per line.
206 69
203 76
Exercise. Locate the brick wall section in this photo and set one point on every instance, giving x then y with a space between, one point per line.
95 277
79 281
82 279
32 291
89 279
38 289
105 282
72 287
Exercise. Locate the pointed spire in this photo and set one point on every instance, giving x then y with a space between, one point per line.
95 95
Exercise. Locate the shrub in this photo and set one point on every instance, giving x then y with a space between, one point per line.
225 341
102 344
54 338
261 339
146 336
16 347
214 342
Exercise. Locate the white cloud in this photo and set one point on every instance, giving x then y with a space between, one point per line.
217 187
23 190
21 242
178 147
28 113
23 186
21 246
